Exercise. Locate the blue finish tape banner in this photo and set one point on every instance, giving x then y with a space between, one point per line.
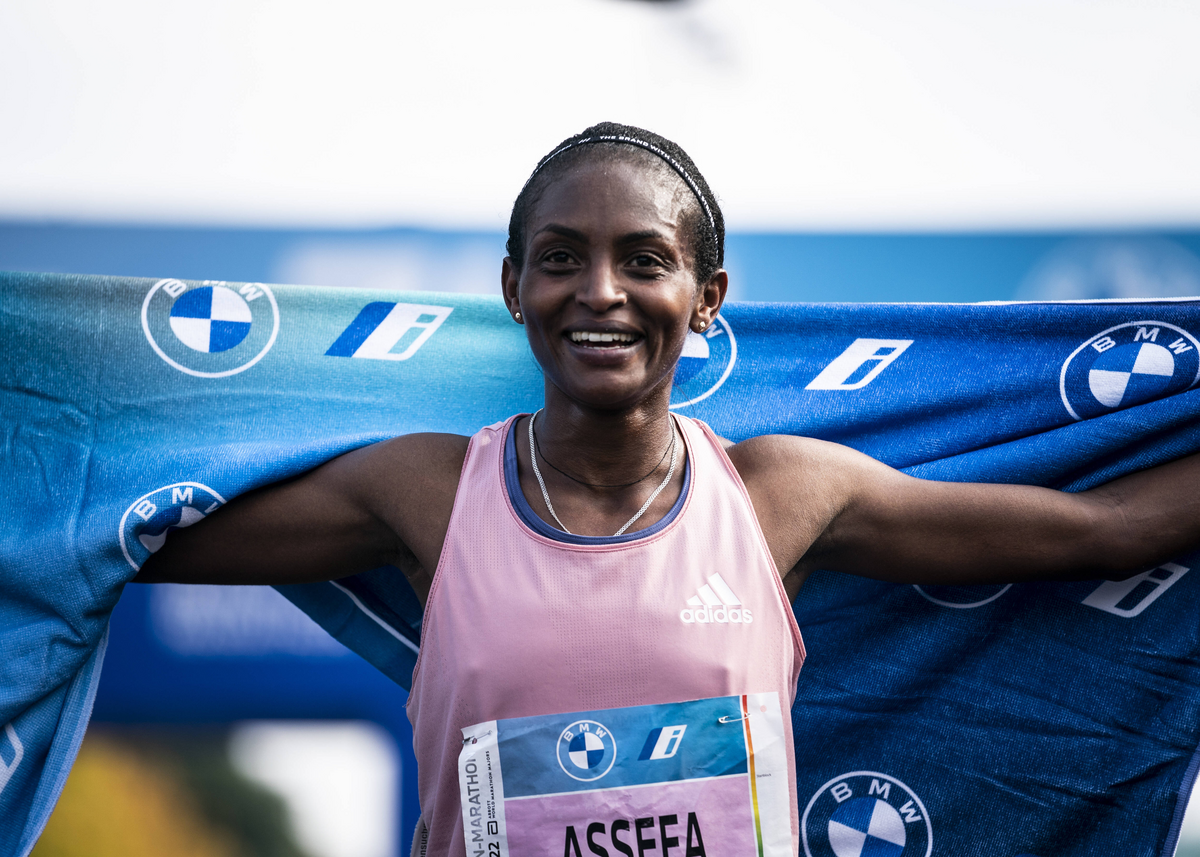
1036 719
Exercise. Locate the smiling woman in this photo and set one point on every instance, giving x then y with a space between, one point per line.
619 575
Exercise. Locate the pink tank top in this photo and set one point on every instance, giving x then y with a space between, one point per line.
523 619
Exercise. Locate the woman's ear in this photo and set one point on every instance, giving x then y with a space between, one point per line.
709 299
510 287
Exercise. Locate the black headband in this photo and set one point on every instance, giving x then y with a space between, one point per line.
641 144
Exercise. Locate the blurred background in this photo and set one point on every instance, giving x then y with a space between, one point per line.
864 150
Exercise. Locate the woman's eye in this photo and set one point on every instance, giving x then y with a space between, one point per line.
643 260
557 257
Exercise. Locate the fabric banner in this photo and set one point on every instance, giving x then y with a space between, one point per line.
1034 719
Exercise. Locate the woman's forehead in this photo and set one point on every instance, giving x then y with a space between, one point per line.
612 193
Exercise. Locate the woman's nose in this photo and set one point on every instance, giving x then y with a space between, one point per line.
600 289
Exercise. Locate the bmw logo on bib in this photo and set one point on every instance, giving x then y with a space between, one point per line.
1128 365
705 364
586 750
866 814
211 329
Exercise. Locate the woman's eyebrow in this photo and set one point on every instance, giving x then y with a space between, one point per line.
642 235
564 231
627 238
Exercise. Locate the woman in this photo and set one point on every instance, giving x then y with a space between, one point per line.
552 553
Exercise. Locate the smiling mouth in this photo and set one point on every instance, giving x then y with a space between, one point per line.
606 339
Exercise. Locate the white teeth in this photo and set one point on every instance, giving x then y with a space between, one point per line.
587 336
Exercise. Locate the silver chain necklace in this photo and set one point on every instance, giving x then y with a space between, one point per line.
546 494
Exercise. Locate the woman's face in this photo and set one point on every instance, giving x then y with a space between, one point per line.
607 291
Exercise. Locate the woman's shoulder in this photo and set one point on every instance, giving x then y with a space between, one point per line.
409 483
428 454
779 461
431 457
768 453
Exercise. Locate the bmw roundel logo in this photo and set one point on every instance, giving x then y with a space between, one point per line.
211 329
866 814
1128 365
586 750
705 364
150 518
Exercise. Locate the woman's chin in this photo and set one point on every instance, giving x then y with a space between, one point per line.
613 392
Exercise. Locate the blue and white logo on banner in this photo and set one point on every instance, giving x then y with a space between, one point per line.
705 364
1127 365
150 519
866 814
211 319
210 330
386 330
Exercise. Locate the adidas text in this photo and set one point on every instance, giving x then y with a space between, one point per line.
720 615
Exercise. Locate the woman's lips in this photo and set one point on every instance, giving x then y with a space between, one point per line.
603 349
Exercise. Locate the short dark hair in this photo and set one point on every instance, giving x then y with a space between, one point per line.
704 223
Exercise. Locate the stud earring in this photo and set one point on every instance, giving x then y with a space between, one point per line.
703 325
517 316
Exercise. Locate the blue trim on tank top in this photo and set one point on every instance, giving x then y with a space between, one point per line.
525 512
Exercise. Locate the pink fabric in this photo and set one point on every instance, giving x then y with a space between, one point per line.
518 624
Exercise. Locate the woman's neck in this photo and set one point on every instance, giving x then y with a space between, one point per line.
604 447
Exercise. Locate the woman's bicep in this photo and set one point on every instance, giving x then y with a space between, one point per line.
317 526
897 527
823 505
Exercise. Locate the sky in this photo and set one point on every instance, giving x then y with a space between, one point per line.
858 115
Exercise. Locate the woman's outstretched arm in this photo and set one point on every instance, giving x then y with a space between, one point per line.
385 503
826 506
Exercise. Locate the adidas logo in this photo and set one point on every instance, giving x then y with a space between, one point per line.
715 603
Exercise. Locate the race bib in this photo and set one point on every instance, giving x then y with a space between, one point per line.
706 778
